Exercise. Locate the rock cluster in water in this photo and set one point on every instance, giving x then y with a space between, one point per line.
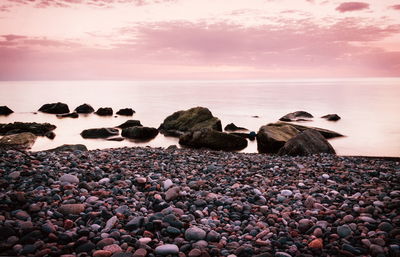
155 202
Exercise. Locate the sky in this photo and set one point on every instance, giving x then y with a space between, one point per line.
198 39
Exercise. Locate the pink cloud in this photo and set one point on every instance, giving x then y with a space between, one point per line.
70 3
396 7
352 6
12 37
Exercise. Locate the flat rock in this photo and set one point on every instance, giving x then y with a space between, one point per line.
69 178
167 249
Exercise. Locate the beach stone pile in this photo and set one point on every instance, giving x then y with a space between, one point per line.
154 202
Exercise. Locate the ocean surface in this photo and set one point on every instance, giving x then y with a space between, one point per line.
370 108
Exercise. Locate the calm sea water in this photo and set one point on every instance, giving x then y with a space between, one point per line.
369 107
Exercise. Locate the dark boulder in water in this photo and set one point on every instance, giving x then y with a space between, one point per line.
297 116
99 132
233 127
212 139
126 112
324 132
84 108
139 132
4 110
130 123
68 115
39 129
306 143
190 120
55 108
106 111
331 117
271 138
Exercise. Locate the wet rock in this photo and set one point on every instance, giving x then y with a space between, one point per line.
54 108
233 127
84 108
297 116
130 123
20 141
104 111
167 249
4 110
39 129
99 133
69 148
126 112
73 115
331 117
271 138
324 132
140 133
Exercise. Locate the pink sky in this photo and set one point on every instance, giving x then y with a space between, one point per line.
198 39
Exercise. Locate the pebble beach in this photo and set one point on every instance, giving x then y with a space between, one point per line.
179 202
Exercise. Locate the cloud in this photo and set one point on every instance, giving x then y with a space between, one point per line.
12 37
352 6
396 7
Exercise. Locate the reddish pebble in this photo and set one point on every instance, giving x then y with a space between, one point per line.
68 224
102 253
194 253
113 248
316 244
140 253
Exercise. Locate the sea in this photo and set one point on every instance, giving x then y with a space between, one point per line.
369 108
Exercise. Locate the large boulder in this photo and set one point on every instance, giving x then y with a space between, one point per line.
213 139
324 132
307 142
130 123
4 110
39 129
69 148
331 117
233 127
84 108
297 116
55 108
270 138
139 132
99 132
73 115
190 120
21 141
126 112
106 111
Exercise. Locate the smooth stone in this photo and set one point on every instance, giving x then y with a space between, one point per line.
316 244
113 248
195 233
286 193
167 184
110 224
344 231
282 254
69 178
194 253
102 253
140 253
172 193
14 175
167 249
385 226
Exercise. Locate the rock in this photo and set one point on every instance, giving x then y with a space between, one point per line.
106 111
126 112
86 247
385 226
102 253
73 115
50 135
195 233
130 123
39 129
69 148
167 249
20 141
69 178
99 133
84 108
282 254
117 138
73 209
331 117
213 139
286 193
134 223
141 133
324 132
316 244
296 116
376 249
252 135
344 231
305 224
55 108
172 194
307 143
140 253
14 175
113 248
271 138
4 110
190 120
213 236
233 127
110 224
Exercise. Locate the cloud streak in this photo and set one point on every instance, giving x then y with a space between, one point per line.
352 6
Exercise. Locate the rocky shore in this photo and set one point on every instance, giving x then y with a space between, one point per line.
180 202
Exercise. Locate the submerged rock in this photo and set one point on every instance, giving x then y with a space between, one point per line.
190 120
106 111
68 115
142 133
126 112
39 129
331 117
21 141
271 138
213 139
296 116
233 127
55 108
84 108
99 132
4 110
130 123
306 143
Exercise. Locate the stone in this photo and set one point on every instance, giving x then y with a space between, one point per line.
271 138
4 110
99 132
296 116
86 247
282 254
14 175
344 231
213 236
376 249
23 140
331 117
126 112
190 120
73 209
233 127
307 142
39 129
139 132
324 132
102 253
286 193
195 233
316 244
130 123
84 108
140 253
212 139
110 224
69 148
69 178
305 224
167 184
73 115
194 253
167 249
172 194
385 226
113 248
106 111
54 108
105 241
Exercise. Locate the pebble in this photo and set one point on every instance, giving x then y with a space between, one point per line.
195 233
140 253
344 231
316 244
14 175
167 184
286 193
69 178
167 249
102 253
